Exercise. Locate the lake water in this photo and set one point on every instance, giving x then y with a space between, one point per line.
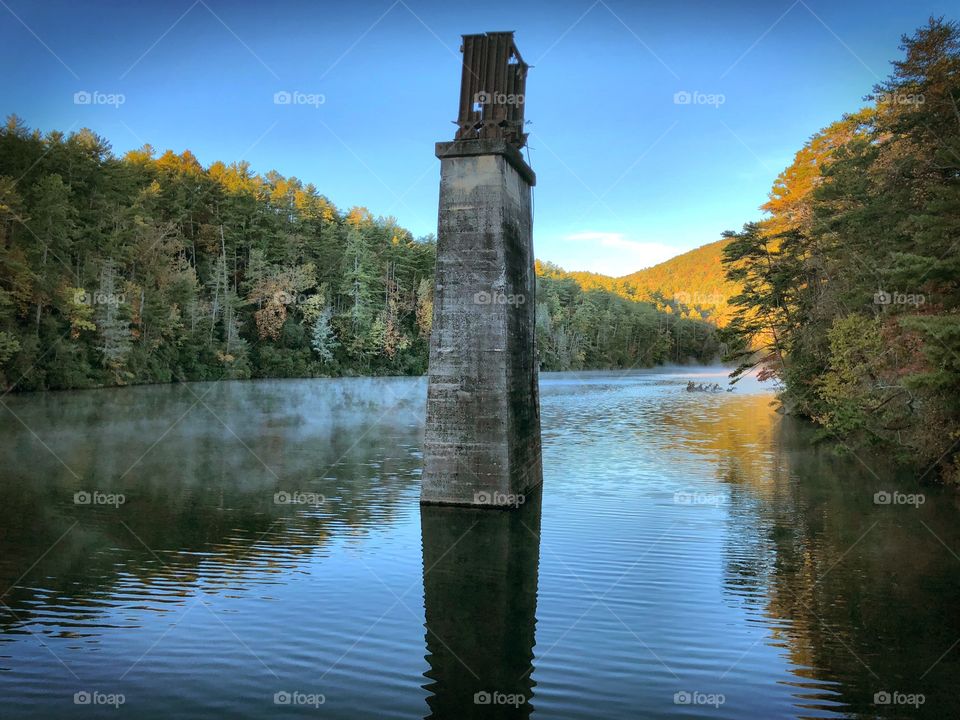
256 549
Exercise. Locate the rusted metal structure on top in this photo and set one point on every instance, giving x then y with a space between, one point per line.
492 89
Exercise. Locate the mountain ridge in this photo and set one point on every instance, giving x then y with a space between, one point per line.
692 283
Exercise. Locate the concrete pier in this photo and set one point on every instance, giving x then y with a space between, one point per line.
482 444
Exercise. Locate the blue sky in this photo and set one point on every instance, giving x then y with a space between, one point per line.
626 176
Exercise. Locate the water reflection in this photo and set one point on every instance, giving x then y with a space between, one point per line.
859 596
775 579
200 510
480 572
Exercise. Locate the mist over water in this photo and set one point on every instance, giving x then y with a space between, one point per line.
250 549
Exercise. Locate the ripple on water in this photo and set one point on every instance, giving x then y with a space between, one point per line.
676 551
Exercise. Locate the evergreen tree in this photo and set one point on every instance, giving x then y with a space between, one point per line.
111 320
850 289
322 339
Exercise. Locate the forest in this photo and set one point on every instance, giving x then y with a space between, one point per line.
151 268
580 326
849 285
693 283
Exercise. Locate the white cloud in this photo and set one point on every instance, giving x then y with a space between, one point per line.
622 256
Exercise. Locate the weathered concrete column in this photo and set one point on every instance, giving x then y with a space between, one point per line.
482 444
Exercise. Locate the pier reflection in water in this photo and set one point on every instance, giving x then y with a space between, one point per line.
689 544
480 569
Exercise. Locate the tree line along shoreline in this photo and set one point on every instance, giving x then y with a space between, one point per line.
850 286
151 268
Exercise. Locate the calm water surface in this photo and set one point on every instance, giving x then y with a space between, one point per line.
691 556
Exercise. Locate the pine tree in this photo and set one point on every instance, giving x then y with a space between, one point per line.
322 338
111 320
